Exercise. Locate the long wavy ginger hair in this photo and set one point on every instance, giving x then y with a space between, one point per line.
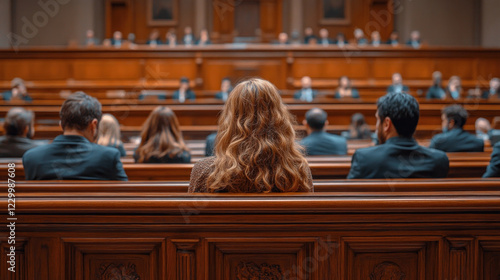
255 149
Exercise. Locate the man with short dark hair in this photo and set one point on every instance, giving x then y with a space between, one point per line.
74 155
399 155
19 130
318 141
454 138
184 92
306 93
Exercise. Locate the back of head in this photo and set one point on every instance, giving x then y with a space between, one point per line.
109 131
17 120
457 113
78 111
316 119
403 111
255 148
161 135
16 82
357 120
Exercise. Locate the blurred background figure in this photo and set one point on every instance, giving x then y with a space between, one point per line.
318 141
117 39
359 36
494 90
345 89
109 133
309 37
393 39
171 38
204 38
483 129
340 40
161 139
131 38
306 93
19 129
376 41
323 37
184 92
90 40
188 38
154 38
358 129
454 88
17 91
225 90
397 85
414 39
283 39
436 91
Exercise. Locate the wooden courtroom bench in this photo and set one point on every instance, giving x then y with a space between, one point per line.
421 229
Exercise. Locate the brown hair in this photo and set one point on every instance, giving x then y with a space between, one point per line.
109 131
161 136
78 111
255 148
17 120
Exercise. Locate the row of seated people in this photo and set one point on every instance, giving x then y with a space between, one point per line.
306 93
254 149
323 38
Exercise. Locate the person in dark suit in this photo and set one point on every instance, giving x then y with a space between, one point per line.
376 40
117 39
225 90
359 37
154 38
323 37
494 90
309 37
414 39
90 38
184 92
398 155
19 130
210 144
397 85
306 93
340 40
188 38
74 155
436 91
18 91
204 38
345 89
493 169
318 141
454 138
393 39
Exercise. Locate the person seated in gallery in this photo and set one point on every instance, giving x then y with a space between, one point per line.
393 39
210 144
17 91
359 37
282 39
204 38
19 129
414 40
131 39
376 40
305 93
74 155
171 38
397 85
324 39
109 134
117 39
90 39
358 129
493 91
340 40
398 155
454 88
493 169
184 92
188 38
225 89
161 139
483 129
154 38
309 37
345 89
436 91
255 149
318 141
454 138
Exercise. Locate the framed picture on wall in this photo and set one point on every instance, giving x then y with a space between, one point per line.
162 12
335 12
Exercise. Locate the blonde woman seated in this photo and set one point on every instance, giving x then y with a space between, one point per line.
255 150
109 133
345 90
161 139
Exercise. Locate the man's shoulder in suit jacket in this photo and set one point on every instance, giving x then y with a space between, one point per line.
399 157
324 143
493 169
71 157
457 140
15 146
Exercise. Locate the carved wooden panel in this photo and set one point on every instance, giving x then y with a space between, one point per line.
266 258
380 258
114 258
20 268
460 258
183 266
489 258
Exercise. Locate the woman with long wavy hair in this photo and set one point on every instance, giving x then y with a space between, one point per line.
255 148
109 133
161 139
